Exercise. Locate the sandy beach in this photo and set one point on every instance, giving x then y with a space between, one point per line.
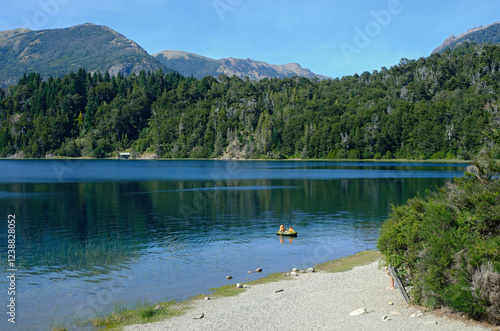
314 301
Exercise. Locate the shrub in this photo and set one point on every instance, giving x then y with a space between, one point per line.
447 244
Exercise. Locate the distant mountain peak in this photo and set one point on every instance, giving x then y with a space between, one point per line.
56 52
172 55
481 34
199 66
10 33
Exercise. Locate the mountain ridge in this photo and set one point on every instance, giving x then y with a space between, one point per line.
254 69
57 52
479 35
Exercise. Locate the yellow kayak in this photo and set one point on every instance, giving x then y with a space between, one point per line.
287 233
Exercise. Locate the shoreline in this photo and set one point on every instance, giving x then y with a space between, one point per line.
313 301
321 300
63 158
122 318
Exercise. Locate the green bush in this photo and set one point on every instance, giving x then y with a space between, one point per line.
438 156
447 245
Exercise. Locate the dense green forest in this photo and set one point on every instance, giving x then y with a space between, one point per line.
431 108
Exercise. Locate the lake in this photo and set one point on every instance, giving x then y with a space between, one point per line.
94 233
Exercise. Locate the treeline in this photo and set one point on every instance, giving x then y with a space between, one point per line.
436 107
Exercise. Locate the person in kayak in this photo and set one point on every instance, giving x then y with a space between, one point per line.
282 228
290 229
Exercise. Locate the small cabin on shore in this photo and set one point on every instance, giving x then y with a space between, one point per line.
124 156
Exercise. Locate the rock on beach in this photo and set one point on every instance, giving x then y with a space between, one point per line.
313 301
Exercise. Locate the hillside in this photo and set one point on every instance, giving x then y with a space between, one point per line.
481 35
432 108
57 52
189 64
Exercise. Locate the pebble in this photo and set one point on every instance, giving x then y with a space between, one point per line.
246 286
417 314
391 303
357 312
207 298
386 318
293 273
251 272
229 277
158 307
311 270
258 269
295 269
431 323
239 285
200 316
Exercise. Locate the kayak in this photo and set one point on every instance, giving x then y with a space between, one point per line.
287 233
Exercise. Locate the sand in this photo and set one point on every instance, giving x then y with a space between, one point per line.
313 301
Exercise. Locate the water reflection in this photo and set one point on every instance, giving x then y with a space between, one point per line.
85 243
289 239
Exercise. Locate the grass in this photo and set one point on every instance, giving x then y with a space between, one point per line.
347 263
76 256
145 312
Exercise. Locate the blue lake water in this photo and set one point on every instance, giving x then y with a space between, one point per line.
94 233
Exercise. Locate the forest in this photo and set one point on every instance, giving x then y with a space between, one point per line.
439 107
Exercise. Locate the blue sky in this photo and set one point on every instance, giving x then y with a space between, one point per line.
333 38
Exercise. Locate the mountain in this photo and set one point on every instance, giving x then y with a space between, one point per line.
480 35
190 64
57 52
